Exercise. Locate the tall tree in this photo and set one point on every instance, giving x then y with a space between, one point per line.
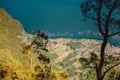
106 13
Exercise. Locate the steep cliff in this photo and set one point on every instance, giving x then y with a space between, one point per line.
9 31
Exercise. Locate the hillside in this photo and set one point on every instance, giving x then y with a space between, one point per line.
17 62
9 31
10 43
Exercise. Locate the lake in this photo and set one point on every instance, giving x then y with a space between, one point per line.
57 18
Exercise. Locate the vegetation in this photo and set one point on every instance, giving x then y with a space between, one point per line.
71 72
67 63
89 69
38 46
40 40
73 45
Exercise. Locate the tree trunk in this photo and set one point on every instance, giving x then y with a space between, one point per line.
101 63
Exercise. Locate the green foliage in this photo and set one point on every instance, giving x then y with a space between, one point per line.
73 45
67 64
44 58
71 72
52 56
40 40
3 71
25 48
14 76
43 73
88 74
72 55
64 75
2 74
113 74
37 68
6 73
88 67
85 62
39 44
67 61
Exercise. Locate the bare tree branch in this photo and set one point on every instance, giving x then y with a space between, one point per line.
99 18
109 16
110 69
113 34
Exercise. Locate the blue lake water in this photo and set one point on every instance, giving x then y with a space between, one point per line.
58 18
48 15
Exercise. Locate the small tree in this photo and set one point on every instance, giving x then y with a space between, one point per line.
40 41
106 13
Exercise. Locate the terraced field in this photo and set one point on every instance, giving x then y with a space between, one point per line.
69 51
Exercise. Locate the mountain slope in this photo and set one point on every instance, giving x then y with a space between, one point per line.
9 31
17 62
